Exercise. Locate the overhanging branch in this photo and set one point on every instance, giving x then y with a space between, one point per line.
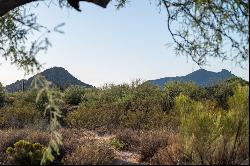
8 5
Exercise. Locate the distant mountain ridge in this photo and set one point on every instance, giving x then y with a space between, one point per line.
200 77
58 76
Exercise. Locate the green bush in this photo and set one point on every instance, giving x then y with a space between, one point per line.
93 118
215 136
129 97
73 95
21 115
89 118
173 89
223 91
30 97
25 153
137 106
117 144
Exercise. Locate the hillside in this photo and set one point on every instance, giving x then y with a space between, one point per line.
200 77
58 76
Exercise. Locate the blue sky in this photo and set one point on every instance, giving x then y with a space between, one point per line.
113 46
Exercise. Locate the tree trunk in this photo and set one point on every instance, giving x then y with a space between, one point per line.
8 5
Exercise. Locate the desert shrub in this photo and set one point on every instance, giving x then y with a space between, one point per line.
72 138
131 139
144 120
2 95
10 136
117 144
146 98
91 152
216 136
25 153
29 97
200 130
74 94
128 97
137 106
20 116
89 118
93 118
150 143
235 127
171 154
223 91
173 89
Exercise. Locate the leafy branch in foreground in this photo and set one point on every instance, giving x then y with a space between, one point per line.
54 113
15 27
209 28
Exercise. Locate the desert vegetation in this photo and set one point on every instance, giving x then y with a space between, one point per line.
135 123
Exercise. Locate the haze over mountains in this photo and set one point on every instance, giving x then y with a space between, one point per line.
61 78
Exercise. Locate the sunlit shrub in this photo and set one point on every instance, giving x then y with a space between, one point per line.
216 136
235 126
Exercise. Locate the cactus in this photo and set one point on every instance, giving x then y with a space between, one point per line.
25 153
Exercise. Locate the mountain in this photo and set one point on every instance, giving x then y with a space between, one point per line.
200 77
58 76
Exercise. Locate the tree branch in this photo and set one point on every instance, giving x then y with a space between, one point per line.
8 5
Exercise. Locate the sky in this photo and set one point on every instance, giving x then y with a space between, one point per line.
112 46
